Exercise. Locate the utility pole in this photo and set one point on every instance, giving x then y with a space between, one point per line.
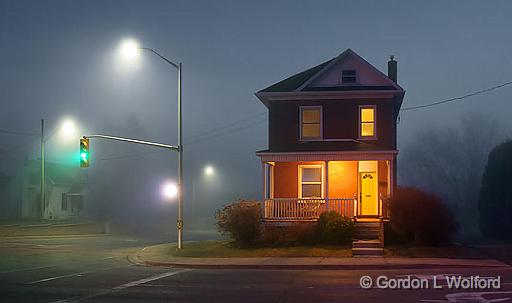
179 224
42 170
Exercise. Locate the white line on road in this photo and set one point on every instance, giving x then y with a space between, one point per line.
124 286
50 266
74 274
152 278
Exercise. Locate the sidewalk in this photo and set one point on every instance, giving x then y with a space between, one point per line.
158 255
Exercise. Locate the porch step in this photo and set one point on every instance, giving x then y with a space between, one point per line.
367 244
367 230
373 248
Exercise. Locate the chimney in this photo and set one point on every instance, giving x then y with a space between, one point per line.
392 69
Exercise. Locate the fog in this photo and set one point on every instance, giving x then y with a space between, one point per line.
59 59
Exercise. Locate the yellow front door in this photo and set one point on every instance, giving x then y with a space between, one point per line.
368 187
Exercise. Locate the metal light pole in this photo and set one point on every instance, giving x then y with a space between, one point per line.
42 170
179 222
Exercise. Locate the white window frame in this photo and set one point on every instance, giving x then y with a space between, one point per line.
301 138
300 183
360 123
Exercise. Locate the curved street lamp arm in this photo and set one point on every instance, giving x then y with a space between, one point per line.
162 57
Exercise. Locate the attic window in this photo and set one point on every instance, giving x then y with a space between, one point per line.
348 76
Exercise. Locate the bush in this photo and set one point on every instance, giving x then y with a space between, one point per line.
298 233
241 220
421 217
495 202
333 228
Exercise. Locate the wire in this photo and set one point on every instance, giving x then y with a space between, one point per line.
458 98
227 125
12 132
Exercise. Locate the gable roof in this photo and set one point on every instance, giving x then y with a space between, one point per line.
292 83
300 81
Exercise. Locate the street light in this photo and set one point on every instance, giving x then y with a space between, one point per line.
130 49
169 190
68 128
209 170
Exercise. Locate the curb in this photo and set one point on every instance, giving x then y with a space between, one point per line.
138 260
304 267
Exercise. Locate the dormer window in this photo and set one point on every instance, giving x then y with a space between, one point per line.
310 123
348 76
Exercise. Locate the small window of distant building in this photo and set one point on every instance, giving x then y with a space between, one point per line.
310 123
367 129
64 202
310 179
348 76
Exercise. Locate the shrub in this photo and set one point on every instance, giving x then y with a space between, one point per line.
421 217
333 228
298 233
495 202
241 220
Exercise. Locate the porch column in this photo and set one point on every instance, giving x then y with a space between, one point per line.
326 190
391 176
264 174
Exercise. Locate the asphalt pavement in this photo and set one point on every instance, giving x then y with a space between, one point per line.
96 269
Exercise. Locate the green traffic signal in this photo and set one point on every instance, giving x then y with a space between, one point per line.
84 152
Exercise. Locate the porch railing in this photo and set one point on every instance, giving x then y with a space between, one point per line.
293 209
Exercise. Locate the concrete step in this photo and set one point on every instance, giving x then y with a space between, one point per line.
358 223
367 252
367 230
367 244
366 235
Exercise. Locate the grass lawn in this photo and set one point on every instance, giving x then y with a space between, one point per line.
224 249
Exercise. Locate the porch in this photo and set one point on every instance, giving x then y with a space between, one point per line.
300 187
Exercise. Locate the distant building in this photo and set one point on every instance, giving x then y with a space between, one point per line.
64 192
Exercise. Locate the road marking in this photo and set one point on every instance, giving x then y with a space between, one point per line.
75 274
55 265
473 297
123 286
149 279
57 277
25 269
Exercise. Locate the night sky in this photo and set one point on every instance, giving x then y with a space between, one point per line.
59 59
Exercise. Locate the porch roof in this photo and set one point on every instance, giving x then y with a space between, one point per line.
267 156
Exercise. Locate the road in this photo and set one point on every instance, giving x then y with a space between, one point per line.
95 269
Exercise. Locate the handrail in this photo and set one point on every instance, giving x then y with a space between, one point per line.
307 208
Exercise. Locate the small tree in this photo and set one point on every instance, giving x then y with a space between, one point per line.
241 220
495 203
421 217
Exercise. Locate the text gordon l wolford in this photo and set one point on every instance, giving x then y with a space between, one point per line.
435 282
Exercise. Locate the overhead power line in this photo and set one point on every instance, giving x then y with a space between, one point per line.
457 98
13 132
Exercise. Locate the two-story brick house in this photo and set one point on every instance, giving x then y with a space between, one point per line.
332 141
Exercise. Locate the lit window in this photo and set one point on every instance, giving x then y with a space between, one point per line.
311 123
311 181
367 128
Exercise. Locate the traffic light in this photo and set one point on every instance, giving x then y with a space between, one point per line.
84 152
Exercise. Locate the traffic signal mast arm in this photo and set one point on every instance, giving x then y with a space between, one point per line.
175 148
